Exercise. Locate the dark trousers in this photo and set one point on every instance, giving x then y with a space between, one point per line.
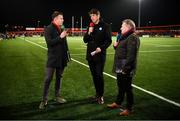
97 74
48 78
124 87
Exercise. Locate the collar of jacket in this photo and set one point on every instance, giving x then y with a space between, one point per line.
58 28
125 35
100 23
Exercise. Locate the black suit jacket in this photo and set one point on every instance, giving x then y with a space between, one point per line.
57 48
100 37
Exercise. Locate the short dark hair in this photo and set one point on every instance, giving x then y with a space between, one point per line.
56 13
94 11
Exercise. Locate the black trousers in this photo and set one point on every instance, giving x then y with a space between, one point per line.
97 74
47 80
124 88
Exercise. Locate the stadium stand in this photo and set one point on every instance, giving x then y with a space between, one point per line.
148 31
153 31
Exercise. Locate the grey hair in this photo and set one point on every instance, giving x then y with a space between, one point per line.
130 23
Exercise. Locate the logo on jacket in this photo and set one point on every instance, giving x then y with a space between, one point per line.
100 28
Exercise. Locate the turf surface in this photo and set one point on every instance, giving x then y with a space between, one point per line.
22 67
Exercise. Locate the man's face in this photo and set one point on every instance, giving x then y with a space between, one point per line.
125 28
95 18
59 20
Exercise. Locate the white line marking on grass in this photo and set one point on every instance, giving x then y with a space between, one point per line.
80 62
137 87
143 51
164 45
155 51
41 42
158 51
36 44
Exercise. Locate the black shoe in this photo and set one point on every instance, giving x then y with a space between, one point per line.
42 105
100 100
60 99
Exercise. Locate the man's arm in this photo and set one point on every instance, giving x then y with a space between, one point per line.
87 37
108 39
132 48
48 37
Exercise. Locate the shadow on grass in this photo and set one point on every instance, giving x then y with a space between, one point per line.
28 110
86 109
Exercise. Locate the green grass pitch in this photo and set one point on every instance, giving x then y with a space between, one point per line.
22 67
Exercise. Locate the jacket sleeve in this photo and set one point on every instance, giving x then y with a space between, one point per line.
108 39
67 50
49 39
87 37
66 44
132 48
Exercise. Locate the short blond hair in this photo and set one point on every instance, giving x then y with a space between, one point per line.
130 23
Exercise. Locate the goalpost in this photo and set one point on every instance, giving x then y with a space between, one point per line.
76 29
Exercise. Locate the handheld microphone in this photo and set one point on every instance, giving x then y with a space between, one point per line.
64 29
118 37
91 24
117 41
91 27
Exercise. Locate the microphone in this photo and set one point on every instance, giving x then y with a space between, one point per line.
64 29
119 37
91 27
117 41
91 24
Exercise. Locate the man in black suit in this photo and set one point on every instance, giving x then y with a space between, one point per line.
98 39
57 56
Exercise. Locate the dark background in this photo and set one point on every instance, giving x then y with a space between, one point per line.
28 13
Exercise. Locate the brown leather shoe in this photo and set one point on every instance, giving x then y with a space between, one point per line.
113 105
126 112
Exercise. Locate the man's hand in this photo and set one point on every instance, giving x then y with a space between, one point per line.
116 44
98 50
90 30
63 34
122 72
